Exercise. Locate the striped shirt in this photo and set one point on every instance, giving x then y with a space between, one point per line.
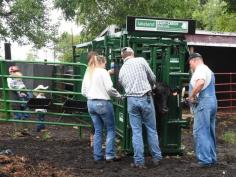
136 76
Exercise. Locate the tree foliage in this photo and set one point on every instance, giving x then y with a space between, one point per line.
25 21
31 55
214 16
96 15
64 46
232 5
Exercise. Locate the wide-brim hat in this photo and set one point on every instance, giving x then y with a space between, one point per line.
41 87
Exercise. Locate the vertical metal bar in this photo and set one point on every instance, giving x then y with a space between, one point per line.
5 92
106 52
182 51
154 60
166 66
74 53
124 41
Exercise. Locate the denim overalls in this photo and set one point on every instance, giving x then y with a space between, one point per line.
204 124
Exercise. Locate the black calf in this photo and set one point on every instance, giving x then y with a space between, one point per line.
161 93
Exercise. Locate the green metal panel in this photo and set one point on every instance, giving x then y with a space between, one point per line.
75 78
166 57
5 93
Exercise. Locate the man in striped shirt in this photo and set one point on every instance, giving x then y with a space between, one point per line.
137 79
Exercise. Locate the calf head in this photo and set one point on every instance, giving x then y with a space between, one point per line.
161 93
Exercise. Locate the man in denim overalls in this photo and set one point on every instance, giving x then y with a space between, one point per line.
204 107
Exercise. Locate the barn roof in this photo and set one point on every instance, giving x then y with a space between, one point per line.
208 38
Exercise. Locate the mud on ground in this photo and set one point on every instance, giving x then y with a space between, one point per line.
61 153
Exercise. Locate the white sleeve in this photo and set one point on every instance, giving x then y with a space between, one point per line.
85 84
12 83
9 81
109 85
200 74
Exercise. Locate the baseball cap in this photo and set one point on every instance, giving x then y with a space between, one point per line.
13 69
194 55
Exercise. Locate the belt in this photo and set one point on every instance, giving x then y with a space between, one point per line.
149 93
99 100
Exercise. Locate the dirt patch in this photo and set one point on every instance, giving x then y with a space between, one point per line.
64 154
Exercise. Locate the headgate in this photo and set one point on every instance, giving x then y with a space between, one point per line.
160 42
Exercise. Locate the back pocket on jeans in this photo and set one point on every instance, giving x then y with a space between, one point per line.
101 108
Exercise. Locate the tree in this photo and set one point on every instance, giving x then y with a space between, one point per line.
31 55
214 16
25 21
232 5
96 15
64 46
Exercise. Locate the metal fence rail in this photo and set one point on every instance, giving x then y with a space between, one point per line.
226 93
75 79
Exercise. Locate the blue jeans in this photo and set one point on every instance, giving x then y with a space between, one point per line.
23 107
21 116
141 111
204 130
40 117
102 114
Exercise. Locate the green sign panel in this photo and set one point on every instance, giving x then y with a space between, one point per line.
161 25
145 24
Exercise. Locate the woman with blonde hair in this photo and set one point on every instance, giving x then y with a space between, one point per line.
97 87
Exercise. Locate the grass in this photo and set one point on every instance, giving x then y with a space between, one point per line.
230 137
46 135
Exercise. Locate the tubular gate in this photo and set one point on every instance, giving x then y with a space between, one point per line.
226 93
56 92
